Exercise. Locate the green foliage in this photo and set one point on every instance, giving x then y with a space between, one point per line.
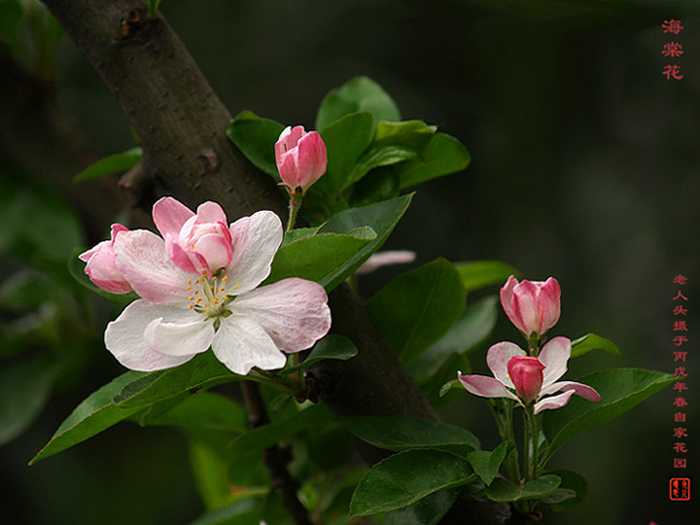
403 432
256 138
358 94
11 12
479 274
426 511
504 490
573 482
116 163
486 464
417 308
407 477
330 347
588 342
620 389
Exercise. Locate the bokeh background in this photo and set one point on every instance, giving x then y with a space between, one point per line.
586 167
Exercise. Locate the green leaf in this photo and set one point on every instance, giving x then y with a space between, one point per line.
256 138
346 140
574 482
380 184
470 330
201 410
393 143
113 164
202 372
284 429
486 464
436 386
503 490
325 258
330 347
620 390
417 308
479 274
403 432
24 390
443 155
298 233
407 477
381 217
358 94
427 511
588 342
242 511
11 13
92 416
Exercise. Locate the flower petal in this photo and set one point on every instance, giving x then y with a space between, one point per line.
497 358
125 338
551 402
180 334
586 392
142 260
255 241
241 343
485 386
169 214
554 356
211 212
294 312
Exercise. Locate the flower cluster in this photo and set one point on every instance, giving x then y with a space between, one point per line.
534 308
199 288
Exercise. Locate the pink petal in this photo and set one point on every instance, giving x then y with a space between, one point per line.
485 386
586 392
181 258
549 300
288 140
526 374
143 262
211 212
386 258
241 343
255 241
551 402
294 312
125 338
525 308
555 356
497 358
169 215
312 159
216 251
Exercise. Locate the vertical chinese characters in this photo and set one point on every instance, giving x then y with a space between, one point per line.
672 49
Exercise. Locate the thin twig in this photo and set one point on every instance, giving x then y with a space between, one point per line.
274 458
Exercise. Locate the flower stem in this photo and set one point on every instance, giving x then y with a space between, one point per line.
503 413
531 438
294 206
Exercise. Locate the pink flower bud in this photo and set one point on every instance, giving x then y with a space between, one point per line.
526 374
196 243
101 265
533 307
301 159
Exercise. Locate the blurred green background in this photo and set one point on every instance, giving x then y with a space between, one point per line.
586 166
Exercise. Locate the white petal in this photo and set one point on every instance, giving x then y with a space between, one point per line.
585 391
554 356
180 335
144 263
497 358
241 343
125 338
255 241
294 312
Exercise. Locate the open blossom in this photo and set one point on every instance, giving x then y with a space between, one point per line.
101 265
301 159
527 379
533 307
181 314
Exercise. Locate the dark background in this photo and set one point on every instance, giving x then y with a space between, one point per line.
586 167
